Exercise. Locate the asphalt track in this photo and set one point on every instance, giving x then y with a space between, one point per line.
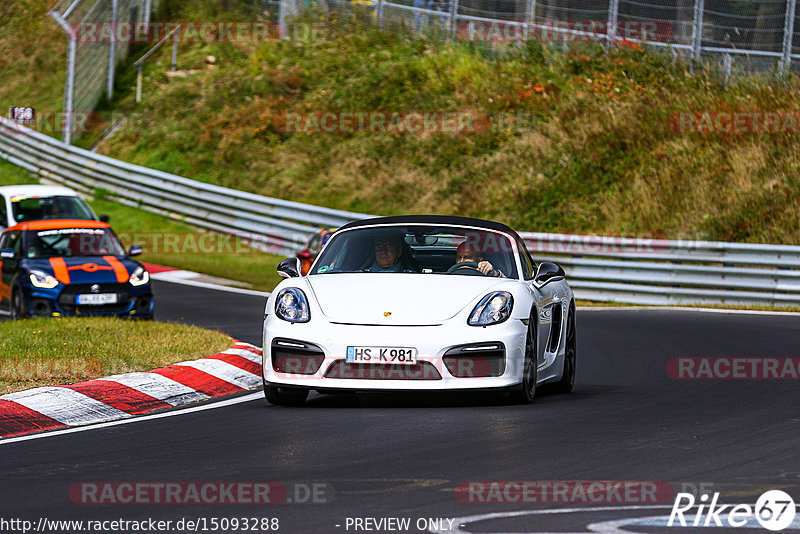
400 456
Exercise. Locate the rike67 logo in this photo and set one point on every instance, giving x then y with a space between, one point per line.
774 510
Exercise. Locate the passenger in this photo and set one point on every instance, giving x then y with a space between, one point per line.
388 251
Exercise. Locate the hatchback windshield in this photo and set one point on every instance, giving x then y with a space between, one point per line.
419 249
72 242
51 207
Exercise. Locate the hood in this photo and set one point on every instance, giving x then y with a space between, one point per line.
85 269
411 299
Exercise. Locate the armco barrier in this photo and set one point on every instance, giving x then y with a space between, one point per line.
642 271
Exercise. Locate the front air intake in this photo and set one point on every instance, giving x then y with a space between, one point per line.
296 357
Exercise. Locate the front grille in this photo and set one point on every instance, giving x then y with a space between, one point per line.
296 357
383 371
66 300
476 360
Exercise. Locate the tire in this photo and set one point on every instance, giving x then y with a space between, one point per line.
18 310
567 381
526 391
285 396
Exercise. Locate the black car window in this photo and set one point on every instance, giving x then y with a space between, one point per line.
528 265
3 212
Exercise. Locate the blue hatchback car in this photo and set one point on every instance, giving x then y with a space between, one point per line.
71 267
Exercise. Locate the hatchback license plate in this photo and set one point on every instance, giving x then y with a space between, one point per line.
97 300
401 355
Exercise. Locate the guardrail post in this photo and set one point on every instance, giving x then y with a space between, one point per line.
697 30
788 34
112 50
611 30
138 83
453 22
69 86
175 51
530 20
380 12
727 63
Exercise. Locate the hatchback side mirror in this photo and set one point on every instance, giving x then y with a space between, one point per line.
289 268
548 272
104 218
8 254
135 251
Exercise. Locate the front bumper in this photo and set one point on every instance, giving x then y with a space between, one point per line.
132 301
431 342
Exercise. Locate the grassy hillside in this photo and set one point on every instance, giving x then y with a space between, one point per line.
32 56
579 142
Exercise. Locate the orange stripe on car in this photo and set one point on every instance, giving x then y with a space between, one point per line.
119 269
60 270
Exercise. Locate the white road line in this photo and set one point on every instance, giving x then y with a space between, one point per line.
161 277
685 308
158 386
225 371
171 413
65 405
466 520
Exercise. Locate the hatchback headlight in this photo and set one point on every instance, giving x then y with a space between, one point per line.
40 279
139 277
291 305
494 308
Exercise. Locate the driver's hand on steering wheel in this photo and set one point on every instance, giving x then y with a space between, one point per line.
485 267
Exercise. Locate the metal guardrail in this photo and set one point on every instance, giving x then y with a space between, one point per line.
631 270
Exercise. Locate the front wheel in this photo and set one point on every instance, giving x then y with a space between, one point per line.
18 310
567 381
285 396
526 391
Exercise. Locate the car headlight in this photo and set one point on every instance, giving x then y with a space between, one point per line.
291 305
139 277
40 279
492 309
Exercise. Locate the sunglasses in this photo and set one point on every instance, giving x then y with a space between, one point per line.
385 247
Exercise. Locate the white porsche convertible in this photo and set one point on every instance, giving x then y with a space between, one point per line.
420 303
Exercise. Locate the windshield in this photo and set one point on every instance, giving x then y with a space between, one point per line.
419 249
72 242
50 207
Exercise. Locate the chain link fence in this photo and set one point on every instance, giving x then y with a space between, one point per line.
93 50
738 36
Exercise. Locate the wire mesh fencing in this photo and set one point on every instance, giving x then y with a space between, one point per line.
98 37
738 36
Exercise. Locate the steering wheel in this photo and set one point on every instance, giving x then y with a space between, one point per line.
466 267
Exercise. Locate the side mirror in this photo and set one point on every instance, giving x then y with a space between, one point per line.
104 218
289 268
548 272
8 254
135 251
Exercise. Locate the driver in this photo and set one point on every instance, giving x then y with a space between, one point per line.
470 253
388 250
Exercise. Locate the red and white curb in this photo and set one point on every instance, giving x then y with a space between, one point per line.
120 396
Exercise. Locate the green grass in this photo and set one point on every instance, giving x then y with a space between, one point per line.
49 351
